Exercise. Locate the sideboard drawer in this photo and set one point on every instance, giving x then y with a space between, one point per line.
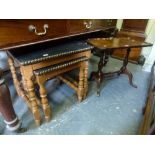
84 25
77 25
22 32
18 31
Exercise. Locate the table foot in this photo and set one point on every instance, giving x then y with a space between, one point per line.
130 77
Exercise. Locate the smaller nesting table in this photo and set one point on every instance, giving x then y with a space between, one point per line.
105 46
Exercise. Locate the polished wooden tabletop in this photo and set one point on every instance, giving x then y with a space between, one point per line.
116 43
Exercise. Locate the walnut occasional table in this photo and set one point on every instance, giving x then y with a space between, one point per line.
105 46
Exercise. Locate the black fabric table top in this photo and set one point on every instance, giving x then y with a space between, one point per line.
60 66
34 56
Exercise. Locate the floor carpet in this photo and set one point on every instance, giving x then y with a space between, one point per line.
118 110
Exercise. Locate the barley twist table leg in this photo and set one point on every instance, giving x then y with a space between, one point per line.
32 98
81 84
17 84
44 102
85 80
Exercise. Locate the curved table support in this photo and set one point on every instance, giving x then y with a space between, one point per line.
124 70
99 75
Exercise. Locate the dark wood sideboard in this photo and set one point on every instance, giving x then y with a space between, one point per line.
133 28
27 33
17 33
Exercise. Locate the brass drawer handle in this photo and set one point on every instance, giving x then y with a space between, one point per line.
88 25
32 28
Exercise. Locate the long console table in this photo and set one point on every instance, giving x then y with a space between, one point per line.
15 34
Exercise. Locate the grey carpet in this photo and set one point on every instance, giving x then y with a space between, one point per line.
118 110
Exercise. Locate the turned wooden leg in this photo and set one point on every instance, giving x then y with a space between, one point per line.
17 84
32 98
23 81
81 84
45 105
85 80
100 74
24 87
6 108
99 81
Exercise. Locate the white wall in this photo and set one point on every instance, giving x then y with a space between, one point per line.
150 36
150 59
119 23
149 52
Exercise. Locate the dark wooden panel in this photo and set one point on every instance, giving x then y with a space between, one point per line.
135 24
97 23
134 28
16 31
84 25
136 52
77 25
